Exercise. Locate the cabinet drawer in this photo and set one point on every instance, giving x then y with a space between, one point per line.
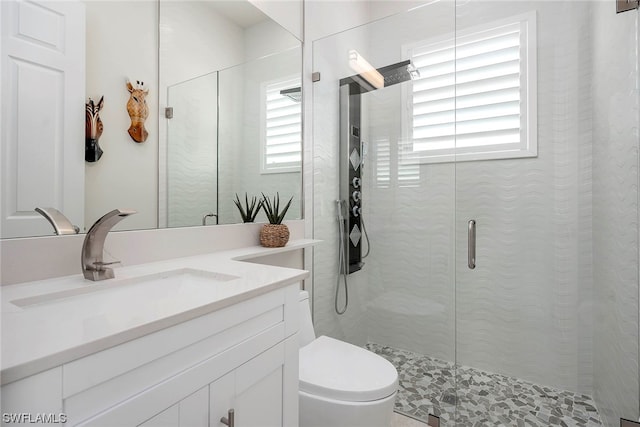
139 408
104 380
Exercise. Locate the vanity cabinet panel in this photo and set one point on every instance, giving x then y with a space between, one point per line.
203 361
251 364
168 418
256 390
259 390
37 394
192 411
231 325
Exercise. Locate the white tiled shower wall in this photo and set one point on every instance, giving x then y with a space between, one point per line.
615 212
554 297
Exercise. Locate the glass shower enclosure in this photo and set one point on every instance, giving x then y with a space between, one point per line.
192 152
497 207
216 140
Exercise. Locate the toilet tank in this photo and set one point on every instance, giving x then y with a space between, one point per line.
307 334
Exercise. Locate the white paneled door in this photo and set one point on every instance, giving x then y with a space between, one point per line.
42 113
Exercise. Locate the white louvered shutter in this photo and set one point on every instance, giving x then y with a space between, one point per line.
475 100
383 163
282 145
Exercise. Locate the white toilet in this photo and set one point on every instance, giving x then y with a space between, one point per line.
342 385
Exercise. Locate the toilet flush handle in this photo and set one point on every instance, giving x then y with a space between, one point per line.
229 419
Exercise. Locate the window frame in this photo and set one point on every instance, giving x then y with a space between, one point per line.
528 145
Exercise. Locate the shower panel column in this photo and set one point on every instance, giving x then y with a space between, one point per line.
351 171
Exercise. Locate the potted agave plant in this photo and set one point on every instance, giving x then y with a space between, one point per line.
250 210
275 234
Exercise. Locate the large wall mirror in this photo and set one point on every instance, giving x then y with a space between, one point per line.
224 90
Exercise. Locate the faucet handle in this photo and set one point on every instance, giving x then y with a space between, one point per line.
100 265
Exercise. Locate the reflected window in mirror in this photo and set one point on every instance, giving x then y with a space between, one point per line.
281 124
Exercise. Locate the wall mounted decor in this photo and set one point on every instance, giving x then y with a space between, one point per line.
138 111
92 130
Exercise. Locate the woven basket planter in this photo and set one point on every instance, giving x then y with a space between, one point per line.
274 235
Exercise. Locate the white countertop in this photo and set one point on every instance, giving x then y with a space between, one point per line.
41 335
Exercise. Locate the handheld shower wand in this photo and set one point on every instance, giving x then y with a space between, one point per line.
342 259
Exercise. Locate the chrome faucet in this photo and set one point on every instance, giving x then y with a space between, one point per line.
93 266
210 214
61 224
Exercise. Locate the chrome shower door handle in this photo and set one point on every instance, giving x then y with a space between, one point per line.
229 420
471 251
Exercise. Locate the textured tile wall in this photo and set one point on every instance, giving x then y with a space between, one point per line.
615 212
524 311
191 152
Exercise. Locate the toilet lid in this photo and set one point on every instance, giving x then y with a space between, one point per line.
338 370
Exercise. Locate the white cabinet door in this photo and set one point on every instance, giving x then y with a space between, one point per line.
170 417
254 391
23 400
42 113
192 411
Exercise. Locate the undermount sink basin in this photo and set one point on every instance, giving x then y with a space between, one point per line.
166 285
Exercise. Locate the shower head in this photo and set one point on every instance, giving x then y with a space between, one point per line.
294 94
392 74
399 73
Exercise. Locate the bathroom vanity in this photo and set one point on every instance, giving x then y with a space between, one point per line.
198 341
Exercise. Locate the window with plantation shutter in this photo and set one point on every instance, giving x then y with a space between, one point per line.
476 97
282 127
383 163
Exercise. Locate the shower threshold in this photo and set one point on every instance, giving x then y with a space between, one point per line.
427 386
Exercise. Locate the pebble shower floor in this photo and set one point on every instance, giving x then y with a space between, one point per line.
427 386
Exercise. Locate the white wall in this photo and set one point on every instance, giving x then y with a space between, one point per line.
267 38
196 40
615 212
286 12
126 175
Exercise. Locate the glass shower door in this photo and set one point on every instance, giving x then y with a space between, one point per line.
547 298
192 152
401 282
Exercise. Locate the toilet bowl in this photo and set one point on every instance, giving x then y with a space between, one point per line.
342 385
